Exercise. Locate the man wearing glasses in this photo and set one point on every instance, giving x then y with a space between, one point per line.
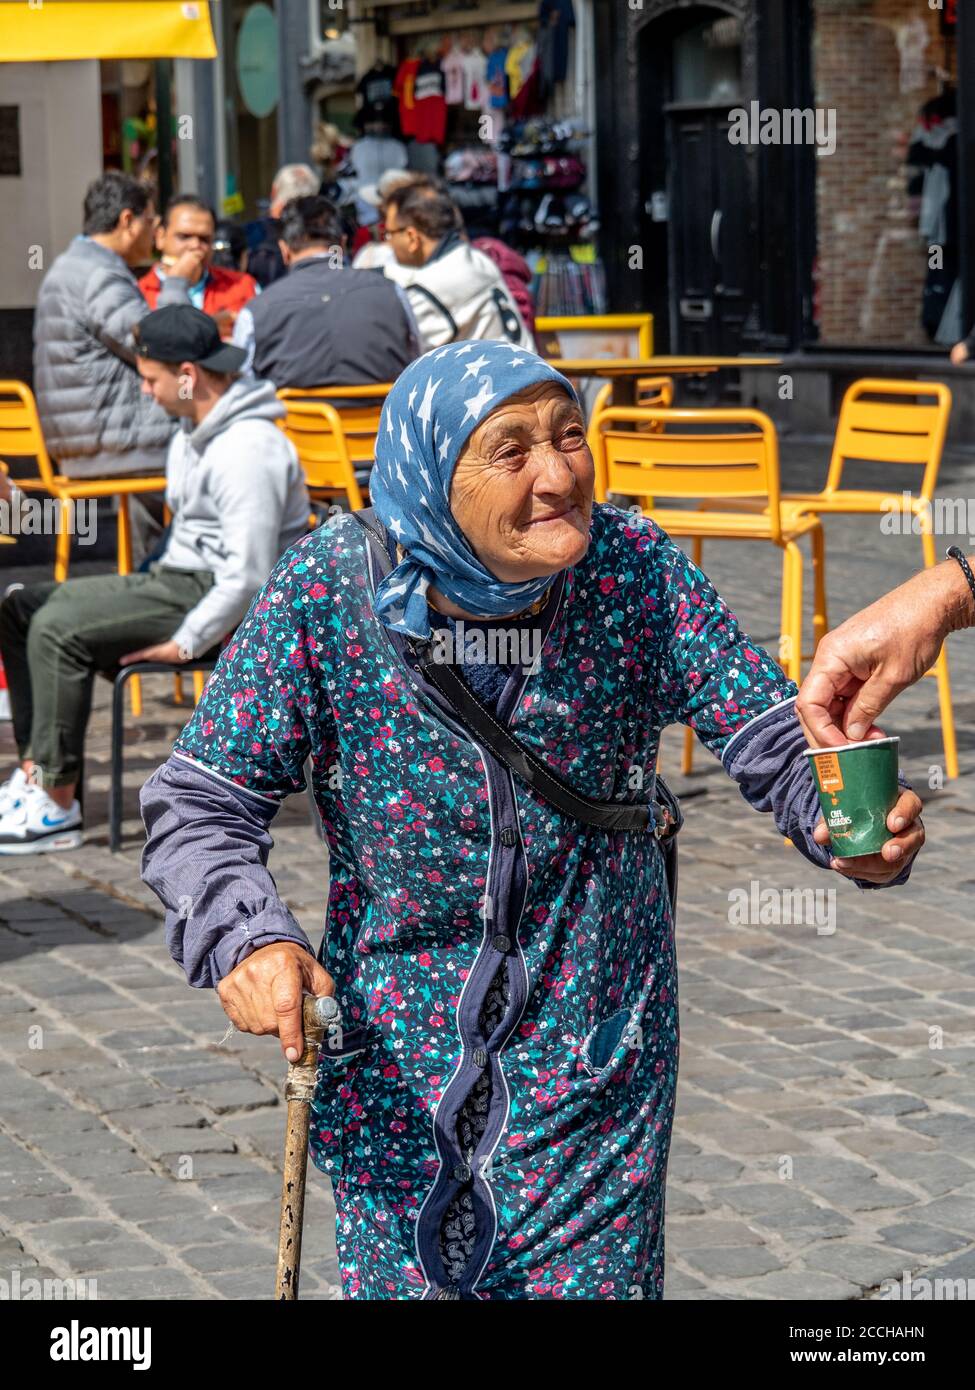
456 291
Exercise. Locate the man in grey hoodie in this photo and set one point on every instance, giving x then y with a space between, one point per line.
238 499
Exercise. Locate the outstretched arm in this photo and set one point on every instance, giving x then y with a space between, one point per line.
740 704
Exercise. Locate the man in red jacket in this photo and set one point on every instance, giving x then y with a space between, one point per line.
189 222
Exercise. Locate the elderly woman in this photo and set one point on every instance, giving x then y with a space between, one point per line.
496 1116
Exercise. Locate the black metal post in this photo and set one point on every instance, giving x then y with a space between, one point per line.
164 129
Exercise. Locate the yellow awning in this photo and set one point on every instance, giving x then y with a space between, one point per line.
66 29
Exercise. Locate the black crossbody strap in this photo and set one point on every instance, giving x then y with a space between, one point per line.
478 720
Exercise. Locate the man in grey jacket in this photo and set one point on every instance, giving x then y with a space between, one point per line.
96 421
238 499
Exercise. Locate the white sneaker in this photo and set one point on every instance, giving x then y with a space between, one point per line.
37 825
12 790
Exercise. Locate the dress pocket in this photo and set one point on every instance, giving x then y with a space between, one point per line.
603 1042
336 1105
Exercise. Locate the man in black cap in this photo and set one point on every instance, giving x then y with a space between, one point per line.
238 499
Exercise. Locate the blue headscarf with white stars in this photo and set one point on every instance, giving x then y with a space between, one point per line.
434 407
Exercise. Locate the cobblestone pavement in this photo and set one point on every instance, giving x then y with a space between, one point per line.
825 1137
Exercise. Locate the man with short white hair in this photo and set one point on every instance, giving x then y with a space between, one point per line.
291 181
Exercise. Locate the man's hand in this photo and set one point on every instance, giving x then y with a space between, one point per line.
862 665
189 264
264 993
162 651
905 823
225 320
959 353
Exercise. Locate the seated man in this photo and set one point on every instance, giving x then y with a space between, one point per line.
456 292
190 224
265 262
238 499
96 423
325 324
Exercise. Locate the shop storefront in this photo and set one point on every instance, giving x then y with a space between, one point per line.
498 99
791 177
83 87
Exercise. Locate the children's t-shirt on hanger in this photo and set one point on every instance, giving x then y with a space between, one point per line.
454 74
475 81
430 109
497 78
404 91
518 65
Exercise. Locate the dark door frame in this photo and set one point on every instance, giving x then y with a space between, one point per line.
777 71
681 325
966 162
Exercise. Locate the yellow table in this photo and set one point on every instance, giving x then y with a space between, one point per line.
624 372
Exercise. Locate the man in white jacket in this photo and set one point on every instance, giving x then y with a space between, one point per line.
238 499
455 291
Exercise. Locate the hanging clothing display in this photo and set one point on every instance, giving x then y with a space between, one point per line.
373 155
933 158
518 65
497 79
475 81
453 72
378 102
555 19
404 91
430 104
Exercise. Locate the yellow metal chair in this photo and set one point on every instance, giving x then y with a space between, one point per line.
897 429
360 420
655 392
315 429
21 437
684 455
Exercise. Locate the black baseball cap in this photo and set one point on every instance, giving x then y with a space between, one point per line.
180 333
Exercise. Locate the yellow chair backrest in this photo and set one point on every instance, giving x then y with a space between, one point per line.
650 391
360 423
897 429
616 333
687 454
315 429
20 428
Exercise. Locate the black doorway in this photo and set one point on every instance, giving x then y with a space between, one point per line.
709 243
697 188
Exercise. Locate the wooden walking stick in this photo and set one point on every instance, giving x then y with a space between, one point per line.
319 1012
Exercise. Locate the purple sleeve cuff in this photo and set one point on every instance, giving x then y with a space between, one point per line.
765 758
206 860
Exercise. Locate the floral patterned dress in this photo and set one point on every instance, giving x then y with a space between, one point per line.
494 960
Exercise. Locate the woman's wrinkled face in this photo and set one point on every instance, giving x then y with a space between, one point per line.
522 489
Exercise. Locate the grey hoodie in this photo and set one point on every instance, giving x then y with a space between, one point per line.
238 499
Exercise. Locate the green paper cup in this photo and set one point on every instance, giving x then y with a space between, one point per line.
857 785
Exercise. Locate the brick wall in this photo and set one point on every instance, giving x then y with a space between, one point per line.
871 262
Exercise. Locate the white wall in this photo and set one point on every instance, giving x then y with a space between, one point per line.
61 152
